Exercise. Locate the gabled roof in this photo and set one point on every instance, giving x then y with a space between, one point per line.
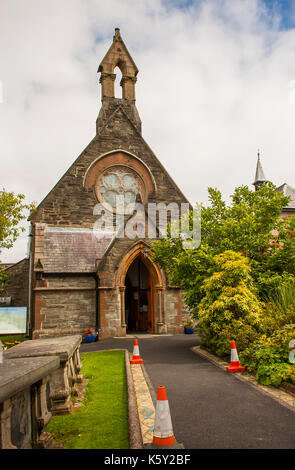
115 55
73 250
288 191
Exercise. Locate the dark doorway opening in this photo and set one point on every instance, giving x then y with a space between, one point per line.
139 298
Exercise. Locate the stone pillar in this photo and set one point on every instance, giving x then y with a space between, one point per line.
40 413
78 366
45 415
5 426
160 325
71 372
60 390
107 83
128 86
122 303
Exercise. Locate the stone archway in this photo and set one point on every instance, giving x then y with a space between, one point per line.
144 296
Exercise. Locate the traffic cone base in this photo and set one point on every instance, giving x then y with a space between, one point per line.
136 359
238 368
163 441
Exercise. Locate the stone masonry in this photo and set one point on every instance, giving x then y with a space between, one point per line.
78 280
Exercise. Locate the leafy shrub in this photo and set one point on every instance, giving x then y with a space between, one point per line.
268 356
275 374
267 281
230 309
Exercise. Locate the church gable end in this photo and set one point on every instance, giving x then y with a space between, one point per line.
75 280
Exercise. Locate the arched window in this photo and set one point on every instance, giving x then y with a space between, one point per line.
118 87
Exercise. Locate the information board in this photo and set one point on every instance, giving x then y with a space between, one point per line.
13 320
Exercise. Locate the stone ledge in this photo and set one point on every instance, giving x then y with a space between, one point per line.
20 373
62 346
135 437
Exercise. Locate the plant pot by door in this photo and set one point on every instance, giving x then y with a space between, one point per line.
188 331
90 338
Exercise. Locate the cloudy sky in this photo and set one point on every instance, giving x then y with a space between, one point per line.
216 83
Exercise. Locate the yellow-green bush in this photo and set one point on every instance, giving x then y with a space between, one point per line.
268 357
230 309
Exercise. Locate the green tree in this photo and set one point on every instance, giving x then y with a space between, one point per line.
245 225
12 212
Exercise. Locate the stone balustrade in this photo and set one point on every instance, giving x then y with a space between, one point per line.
24 401
63 380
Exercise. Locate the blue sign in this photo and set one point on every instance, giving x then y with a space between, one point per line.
13 320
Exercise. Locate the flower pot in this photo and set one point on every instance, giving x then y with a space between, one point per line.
188 331
90 338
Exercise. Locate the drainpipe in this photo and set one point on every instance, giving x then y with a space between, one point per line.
97 308
30 293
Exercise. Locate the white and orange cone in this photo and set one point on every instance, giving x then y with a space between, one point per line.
163 432
136 359
234 360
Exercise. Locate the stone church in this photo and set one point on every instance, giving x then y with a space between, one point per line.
79 280
73 279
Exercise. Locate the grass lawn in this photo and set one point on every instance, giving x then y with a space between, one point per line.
102 420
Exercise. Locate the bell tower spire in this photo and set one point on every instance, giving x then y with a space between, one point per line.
259 174
118 56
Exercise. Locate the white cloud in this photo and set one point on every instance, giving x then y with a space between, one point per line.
214 85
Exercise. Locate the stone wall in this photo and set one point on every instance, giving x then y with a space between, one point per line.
110 317
66 306
173 310
18 287
70 203
186 314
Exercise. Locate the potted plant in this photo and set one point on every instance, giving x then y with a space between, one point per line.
90 335
189 326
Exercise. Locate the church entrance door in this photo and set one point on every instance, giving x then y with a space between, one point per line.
139 298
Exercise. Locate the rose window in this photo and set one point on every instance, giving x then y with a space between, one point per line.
119 181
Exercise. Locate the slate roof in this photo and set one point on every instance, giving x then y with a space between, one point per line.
288 191
73 250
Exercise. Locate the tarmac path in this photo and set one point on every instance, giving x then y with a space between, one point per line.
210 408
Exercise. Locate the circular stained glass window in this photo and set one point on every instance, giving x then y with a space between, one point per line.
119 181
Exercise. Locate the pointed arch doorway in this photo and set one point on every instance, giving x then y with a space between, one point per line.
141 285
139 296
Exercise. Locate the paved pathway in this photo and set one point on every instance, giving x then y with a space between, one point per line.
209 407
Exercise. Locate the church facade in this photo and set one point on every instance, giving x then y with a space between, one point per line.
78 279
75 278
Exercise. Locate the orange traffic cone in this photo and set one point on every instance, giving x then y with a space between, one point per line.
136 359
234 360
163 432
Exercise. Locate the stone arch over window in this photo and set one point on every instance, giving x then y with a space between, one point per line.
120 159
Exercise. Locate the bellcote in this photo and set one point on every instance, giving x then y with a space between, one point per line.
118 56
